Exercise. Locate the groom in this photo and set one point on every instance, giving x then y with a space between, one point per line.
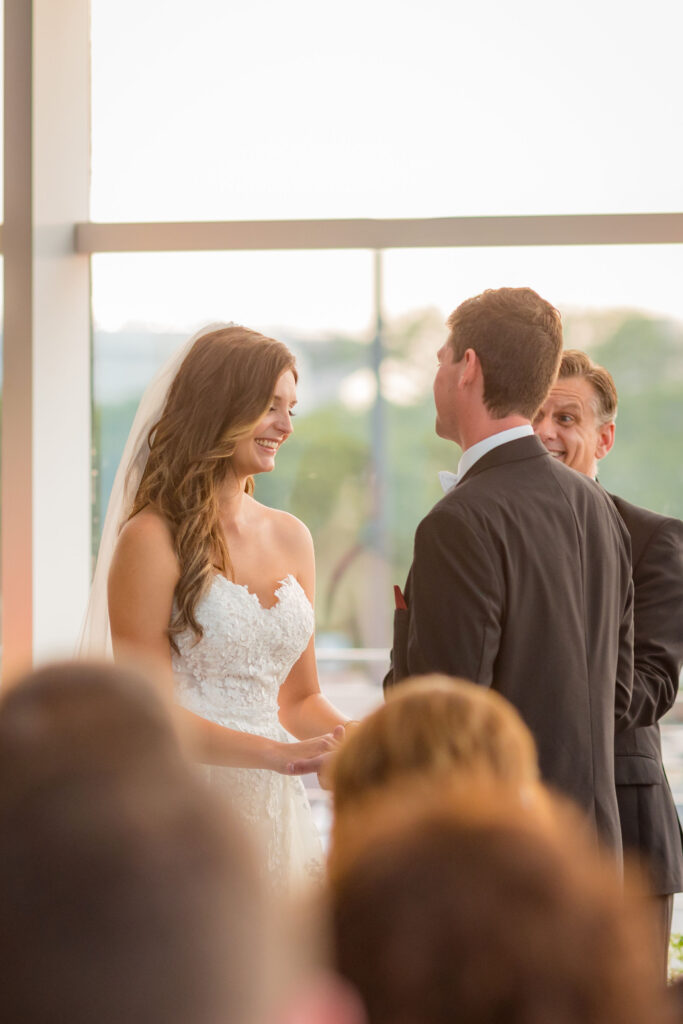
521 576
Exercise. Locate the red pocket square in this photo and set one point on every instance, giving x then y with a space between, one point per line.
399 599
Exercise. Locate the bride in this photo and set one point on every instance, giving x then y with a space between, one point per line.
221 587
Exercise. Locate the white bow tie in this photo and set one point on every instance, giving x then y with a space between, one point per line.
447 479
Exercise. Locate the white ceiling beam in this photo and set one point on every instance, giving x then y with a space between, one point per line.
206 236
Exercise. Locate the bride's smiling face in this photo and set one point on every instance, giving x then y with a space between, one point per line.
256 453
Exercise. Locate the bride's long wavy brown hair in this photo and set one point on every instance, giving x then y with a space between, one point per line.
223 388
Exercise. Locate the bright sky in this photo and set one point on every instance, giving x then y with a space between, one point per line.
381 108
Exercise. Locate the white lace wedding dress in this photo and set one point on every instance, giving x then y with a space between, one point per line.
232 676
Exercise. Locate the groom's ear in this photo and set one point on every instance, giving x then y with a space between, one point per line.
471 367
324 998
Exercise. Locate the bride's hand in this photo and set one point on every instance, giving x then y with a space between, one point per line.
304 756
319 763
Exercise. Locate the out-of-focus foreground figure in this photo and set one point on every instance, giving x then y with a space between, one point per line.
465 906
127 895
434 728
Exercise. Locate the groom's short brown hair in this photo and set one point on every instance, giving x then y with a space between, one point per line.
517 337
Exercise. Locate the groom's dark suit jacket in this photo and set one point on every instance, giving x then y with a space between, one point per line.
649 822
521 580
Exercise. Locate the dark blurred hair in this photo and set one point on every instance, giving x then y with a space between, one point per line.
517 337
87 717
464 908
127 893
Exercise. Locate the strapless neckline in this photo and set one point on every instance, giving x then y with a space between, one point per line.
289 580
232 676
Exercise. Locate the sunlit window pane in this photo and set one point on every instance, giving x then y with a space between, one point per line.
270 110
321 305
361 475
623 304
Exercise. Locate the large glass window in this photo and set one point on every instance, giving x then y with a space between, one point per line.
620 303
268 110
321 305
361 469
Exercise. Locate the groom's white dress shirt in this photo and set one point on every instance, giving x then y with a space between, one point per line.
476 451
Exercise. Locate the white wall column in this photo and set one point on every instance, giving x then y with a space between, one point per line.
46 408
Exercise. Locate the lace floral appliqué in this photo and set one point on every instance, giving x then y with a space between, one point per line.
233 676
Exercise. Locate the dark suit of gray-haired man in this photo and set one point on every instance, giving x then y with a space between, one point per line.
577 425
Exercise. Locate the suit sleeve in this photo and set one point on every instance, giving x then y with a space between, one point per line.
658 625
623 693
456 601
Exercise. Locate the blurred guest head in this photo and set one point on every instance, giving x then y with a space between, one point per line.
126 893
431 727
461 906
435 725
92 717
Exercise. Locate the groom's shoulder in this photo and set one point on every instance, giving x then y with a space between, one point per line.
580 490
535 484
461 506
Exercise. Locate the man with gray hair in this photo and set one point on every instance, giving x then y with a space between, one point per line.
576 424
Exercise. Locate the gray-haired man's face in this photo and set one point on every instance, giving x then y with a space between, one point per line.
569 428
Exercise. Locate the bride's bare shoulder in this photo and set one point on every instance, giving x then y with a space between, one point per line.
149 527
146 540
284 524
142 579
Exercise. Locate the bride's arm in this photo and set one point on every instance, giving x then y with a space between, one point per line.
304 711
142 581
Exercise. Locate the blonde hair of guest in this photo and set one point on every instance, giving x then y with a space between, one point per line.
431 729
435 724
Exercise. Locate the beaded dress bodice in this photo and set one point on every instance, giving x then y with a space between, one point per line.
232 676
235 672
